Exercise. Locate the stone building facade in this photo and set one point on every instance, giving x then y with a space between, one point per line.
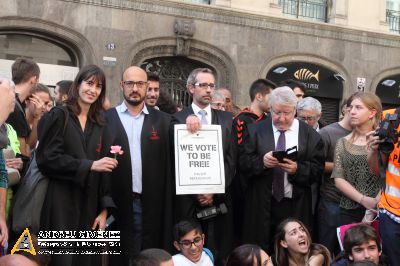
241 40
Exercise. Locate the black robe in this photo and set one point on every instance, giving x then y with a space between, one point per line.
310 165
157 182
75 195
239 132
187 205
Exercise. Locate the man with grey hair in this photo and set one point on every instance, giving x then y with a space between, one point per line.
228 98
309 110
280 183
218 101
219 229
7 98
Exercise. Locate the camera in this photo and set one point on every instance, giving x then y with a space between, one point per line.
388 132
212 211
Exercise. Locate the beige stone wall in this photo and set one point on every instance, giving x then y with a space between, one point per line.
241 46
366 14
361 14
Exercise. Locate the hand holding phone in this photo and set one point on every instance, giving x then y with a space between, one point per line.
290 154
279 155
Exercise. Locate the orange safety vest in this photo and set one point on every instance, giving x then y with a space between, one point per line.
390 198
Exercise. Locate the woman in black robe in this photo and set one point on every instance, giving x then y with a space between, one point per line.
71 155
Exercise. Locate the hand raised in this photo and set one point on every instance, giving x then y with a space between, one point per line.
372 141
193 123
39 105
205 199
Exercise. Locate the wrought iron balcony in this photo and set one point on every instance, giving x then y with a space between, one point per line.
393 19
314 10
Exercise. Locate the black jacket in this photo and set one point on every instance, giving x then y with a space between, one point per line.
187 206
310 165
157 183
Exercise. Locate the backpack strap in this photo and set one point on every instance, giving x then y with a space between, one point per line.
209 253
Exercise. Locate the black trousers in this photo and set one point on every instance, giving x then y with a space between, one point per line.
351 216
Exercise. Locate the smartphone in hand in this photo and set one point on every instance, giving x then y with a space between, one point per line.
290 154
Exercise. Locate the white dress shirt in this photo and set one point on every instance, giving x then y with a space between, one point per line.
196 110
133 127
292 139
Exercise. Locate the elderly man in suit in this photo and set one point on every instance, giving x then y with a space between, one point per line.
218 230
141 184
279 188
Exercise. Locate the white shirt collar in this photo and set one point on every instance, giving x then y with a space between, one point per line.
122 108
196 109
294 127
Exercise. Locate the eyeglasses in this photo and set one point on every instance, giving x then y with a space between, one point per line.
131 84
307 118
205 85
198 241
285 114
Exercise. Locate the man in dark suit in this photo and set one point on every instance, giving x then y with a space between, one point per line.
279 189
218 230
141 184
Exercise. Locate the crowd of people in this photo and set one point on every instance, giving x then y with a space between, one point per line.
289 178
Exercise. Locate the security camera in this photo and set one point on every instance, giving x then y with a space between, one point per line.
339 77
388 82
280 70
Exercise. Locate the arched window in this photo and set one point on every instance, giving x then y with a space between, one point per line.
173 73
56 61
321 83
37 49
388 90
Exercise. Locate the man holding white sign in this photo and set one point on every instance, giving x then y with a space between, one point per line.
204 206
199 161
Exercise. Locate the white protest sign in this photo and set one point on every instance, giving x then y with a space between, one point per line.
199 160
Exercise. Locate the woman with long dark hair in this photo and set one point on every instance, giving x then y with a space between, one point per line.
248 255
293 246
71 155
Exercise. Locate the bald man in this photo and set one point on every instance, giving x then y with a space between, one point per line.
141 184
17 260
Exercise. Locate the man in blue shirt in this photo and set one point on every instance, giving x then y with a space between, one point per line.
142 183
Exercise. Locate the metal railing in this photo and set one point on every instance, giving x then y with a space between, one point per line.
393 19
316 10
